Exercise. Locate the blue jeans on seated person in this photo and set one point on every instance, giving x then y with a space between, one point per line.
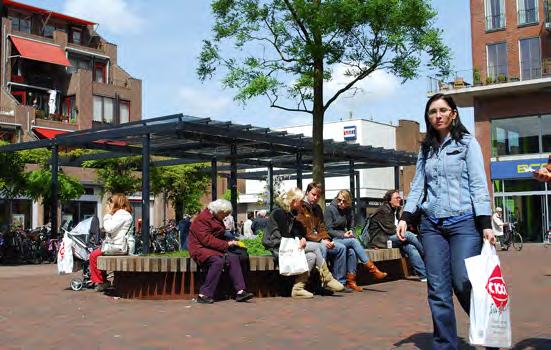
414 250
355 252
446 248
338 258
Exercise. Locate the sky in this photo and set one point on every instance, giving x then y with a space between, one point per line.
159 42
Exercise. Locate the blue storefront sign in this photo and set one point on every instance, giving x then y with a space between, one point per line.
350 133
515 169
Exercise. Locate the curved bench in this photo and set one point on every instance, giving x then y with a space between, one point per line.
159 277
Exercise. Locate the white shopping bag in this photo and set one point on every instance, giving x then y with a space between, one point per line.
292 259
490 302
65 256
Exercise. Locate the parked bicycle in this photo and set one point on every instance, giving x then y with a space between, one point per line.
511 237
547 240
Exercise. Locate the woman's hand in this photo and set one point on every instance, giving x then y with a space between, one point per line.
302 243
231 243
488 234
349 234
401 230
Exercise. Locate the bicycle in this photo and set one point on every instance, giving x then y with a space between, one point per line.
547 240
512 237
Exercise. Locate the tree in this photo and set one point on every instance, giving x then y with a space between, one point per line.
117 175
12 174
286 50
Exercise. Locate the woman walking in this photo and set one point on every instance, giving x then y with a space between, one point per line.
451 190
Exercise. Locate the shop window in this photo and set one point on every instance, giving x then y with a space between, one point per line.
495 14
124 111
515 136
530 59
546 133
16 212
527 11
103 109
75 211
523 185
497 60
100 72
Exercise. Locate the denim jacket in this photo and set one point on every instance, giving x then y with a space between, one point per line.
455 181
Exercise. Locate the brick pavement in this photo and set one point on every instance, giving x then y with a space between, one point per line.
37 311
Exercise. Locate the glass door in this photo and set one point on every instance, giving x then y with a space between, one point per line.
528 212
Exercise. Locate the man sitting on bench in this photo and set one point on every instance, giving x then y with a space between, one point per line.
382 228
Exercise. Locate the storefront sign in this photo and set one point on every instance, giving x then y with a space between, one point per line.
350 133
512 169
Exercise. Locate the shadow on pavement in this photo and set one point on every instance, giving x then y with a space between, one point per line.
533 344
423 341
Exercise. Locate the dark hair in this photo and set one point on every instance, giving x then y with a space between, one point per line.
313 185
432 138
250 215
388 195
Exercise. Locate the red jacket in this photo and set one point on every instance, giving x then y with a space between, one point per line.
206 237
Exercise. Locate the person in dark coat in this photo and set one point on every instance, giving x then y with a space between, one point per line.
260 222
208 247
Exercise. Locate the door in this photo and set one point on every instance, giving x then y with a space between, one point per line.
528 212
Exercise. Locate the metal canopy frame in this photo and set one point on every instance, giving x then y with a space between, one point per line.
182 139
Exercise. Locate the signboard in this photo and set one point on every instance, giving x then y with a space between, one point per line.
350 133
515 169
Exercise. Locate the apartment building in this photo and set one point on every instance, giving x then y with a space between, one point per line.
510 90
58 75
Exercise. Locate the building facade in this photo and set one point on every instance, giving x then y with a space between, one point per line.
58 75
510 91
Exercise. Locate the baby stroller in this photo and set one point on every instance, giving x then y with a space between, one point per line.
85 238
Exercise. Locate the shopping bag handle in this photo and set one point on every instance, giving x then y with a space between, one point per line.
488 248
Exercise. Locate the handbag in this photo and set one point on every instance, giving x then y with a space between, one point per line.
490 324
110 248
292 259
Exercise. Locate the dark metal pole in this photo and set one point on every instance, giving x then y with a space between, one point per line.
213 180
357 213
233 181
397 178
271 186
351 174
145 192
54 185
299 169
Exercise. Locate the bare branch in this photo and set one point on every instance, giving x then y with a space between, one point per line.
361 76
274 105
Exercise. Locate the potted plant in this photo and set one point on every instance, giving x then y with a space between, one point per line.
514 78
501 78
489 80
476 77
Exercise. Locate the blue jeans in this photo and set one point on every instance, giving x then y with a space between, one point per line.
337 257
446 248
414 250
354 252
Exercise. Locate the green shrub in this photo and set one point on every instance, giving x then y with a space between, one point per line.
255 247
177 254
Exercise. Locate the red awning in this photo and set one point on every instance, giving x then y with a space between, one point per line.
47 12
38 51
45 133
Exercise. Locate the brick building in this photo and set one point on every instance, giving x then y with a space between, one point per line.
57 75
510 90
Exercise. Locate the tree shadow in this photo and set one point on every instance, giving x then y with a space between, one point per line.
533 344
423 341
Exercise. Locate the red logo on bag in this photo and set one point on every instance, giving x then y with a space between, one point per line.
497 289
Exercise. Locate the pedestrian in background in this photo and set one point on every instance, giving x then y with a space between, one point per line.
450 187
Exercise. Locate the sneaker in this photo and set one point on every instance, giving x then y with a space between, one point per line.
203 299
243 296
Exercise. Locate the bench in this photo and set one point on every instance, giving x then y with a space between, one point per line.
159 277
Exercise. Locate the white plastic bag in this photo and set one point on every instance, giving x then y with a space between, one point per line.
292 259
65 256
490 302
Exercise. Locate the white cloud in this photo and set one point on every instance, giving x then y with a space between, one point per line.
115 16
199 102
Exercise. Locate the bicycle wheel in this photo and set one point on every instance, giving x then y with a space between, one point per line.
517 241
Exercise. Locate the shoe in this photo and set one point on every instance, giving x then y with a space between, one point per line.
374 271
100 287
243 296
347 290
203 299
298 291
328 281
324 292
351 282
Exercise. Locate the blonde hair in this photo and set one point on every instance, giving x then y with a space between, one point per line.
285 199
345 194
119 201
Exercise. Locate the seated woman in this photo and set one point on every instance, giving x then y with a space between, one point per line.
282 223
339 220
207 246
117 222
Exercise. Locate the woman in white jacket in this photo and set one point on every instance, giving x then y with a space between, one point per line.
116 223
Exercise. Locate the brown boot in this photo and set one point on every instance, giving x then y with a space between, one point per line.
351 282
374 271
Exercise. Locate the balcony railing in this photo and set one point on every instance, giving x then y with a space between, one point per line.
495 22
527 16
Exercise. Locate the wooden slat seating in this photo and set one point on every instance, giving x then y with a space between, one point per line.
154 277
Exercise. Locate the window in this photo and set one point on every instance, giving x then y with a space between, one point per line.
103 109
124 111
546 133
495 14
20 23
79 62
527 11
530 59
515 136
68 109
48 31
497 60
76 36
100 72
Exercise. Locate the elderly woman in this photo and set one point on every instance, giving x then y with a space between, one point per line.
117 223
208 247
283 223
339 220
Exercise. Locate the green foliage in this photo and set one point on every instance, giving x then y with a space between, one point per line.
254 245
38 186
117 175
12 179
227 195
176 254
286 50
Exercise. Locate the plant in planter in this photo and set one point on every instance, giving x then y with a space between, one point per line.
476 77
489 80
514 78
501 78
39 114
